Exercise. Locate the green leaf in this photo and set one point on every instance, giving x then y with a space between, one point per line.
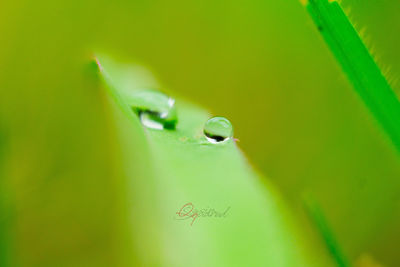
358 64
258 229
374 89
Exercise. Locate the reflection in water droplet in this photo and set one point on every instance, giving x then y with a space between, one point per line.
150 121
218 129
155 109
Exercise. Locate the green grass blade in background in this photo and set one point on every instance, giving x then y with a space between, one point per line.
5 211
258 230
321 224
358 64
374 89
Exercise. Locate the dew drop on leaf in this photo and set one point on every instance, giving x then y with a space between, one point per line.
218 129
155 109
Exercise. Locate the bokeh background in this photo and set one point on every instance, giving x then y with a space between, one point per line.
262 64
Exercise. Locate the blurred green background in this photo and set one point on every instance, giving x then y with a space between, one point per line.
262 64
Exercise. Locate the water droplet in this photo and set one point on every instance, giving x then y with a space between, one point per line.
218 129
156 110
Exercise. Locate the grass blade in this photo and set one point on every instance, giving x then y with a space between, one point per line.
320 222
260 229
358 64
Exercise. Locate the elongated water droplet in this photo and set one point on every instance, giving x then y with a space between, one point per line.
218 129
156 110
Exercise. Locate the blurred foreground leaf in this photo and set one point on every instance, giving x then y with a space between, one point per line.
258 229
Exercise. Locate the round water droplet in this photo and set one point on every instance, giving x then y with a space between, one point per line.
156 110
218 129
